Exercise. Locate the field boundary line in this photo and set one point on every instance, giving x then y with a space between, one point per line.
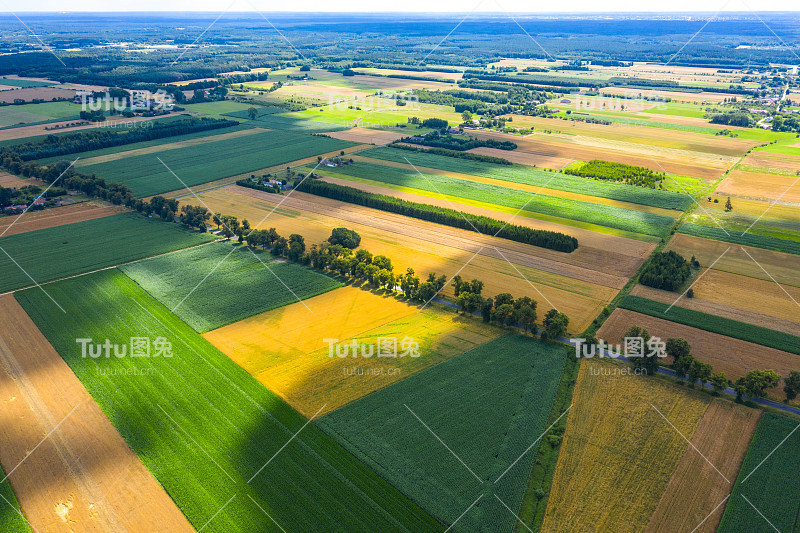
696 280
770 454
19 512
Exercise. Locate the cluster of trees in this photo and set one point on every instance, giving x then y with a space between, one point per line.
737 118
786 123
454 153
26 194
460 144
461 100
606 170
666 271
94 139
441 215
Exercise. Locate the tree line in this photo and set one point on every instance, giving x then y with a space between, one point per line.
461 144
440 215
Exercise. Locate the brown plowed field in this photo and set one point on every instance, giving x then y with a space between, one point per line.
726 354
760 185
57 216
525 158
83 476
696 488
364 135
30 131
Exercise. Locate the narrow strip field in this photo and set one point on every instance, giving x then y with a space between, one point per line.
214 285
57 216
489 405
743 239
83 477
62 251
696 487
292 350
225 448
618 453
766 497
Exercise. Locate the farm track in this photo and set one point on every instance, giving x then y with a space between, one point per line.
83 476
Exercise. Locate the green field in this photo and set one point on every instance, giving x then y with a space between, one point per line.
600 214
488 405
62 251
296 124
715 324
217 108
16 82
13 115
748 239
641 121
145 175
236 426
261 111
10 516
211 291
538 178
771 485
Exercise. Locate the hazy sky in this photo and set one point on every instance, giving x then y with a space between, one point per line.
370 6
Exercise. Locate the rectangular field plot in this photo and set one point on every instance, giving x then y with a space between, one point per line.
62 251
220 443
211 286
618 453
489 405
285 349
145 175
37 113
768 479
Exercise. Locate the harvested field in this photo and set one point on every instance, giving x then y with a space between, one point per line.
675 96
10 180
35 93
83 477
366 136
696 488
784 268
41 129
726 354
758 185
772 161
56 216
525 158
284 348
431 247
618 453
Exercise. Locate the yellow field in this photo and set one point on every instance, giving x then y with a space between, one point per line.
286 351
618 453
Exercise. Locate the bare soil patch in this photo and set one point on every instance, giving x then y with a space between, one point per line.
366 136
761 185
56 216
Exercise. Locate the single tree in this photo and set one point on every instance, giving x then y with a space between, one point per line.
791 385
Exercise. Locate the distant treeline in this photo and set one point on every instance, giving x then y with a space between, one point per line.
84 141
454 153
440 215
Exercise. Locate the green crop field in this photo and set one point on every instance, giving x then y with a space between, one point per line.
62 251
12 115
205 427
747 239
223 107
489 405
768 479
16 82
221 283
296 124
260 112
145 175
715 324
602 215
10 511
538 178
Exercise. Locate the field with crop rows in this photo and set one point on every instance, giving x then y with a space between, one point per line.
618 453
291 123
10 514
145 175
538 178
204 427
489 405
603 215
768 479
214 285
748 239
715 324
61 251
